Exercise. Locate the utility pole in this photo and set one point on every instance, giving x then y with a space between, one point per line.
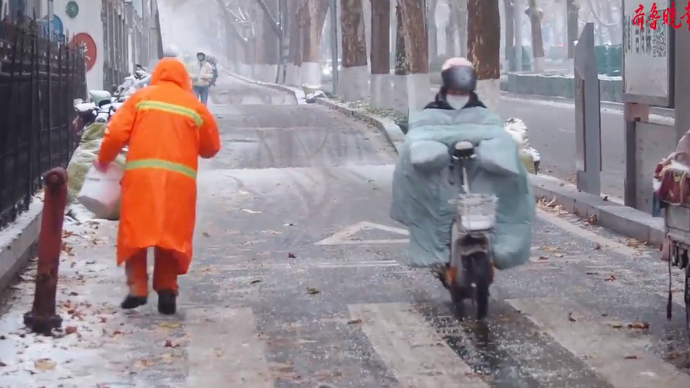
50 20
334 45
517 14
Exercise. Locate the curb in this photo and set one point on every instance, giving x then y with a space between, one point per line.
299 94
621 219
18 242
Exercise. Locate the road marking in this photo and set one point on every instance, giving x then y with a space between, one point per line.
225 350
344 237
412 350
619 358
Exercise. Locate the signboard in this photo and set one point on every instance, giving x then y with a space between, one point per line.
648 51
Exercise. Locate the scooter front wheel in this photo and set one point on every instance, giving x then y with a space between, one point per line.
687 296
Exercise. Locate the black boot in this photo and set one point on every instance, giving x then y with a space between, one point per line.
166 302
132 302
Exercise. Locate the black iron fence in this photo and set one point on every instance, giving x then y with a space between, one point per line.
39 80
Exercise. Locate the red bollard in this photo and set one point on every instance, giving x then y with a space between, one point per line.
42 318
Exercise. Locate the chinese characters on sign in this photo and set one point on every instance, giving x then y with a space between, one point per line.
646 35
646 41
667 16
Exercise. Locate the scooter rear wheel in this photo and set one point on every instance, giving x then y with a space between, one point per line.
482 299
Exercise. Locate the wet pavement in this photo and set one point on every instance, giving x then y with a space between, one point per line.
295 282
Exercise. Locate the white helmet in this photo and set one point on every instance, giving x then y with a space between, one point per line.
171 51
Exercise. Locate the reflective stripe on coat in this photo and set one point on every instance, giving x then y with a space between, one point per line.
166 130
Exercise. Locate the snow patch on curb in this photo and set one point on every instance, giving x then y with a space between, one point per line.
18 240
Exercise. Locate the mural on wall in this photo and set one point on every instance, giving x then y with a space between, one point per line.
86 42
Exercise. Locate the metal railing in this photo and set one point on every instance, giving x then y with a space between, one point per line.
39 80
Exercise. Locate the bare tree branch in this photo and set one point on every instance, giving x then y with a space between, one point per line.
267 13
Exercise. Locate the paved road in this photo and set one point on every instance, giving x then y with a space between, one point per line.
296 282
551 127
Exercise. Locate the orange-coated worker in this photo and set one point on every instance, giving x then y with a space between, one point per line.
166 129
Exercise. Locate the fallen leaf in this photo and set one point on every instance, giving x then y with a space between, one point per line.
70 330
255 281
170 325
559 255
592 220
44 364
610 278
632 357
141 364
597 247
617 325
543 258
592 273
354 322
571 318
291 255
638 325
548 248
73 293
312 291
170 344
205 234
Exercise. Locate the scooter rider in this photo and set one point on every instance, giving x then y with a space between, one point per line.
421 188
457 92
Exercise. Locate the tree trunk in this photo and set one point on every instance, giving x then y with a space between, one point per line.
380 36
414 32
380 83
484 49
271 42
573 10
354 77
311 35
461 12
293 74
510 34
451 32
535 17
433 28
402 66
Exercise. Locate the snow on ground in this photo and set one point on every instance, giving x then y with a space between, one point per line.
90 288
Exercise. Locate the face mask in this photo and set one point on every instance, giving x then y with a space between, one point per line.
457 102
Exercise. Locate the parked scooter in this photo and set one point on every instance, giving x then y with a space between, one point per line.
528 155
98 110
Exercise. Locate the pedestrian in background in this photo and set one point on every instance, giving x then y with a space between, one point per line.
201 73
166 129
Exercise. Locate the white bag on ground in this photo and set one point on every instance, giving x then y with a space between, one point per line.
100 193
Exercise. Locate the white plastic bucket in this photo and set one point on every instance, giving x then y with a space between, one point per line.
100 193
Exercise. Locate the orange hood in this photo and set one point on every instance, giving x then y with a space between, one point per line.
173 71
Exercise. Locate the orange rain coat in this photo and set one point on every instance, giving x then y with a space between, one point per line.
167 129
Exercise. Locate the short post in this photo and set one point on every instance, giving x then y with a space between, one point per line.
587 115
42 318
